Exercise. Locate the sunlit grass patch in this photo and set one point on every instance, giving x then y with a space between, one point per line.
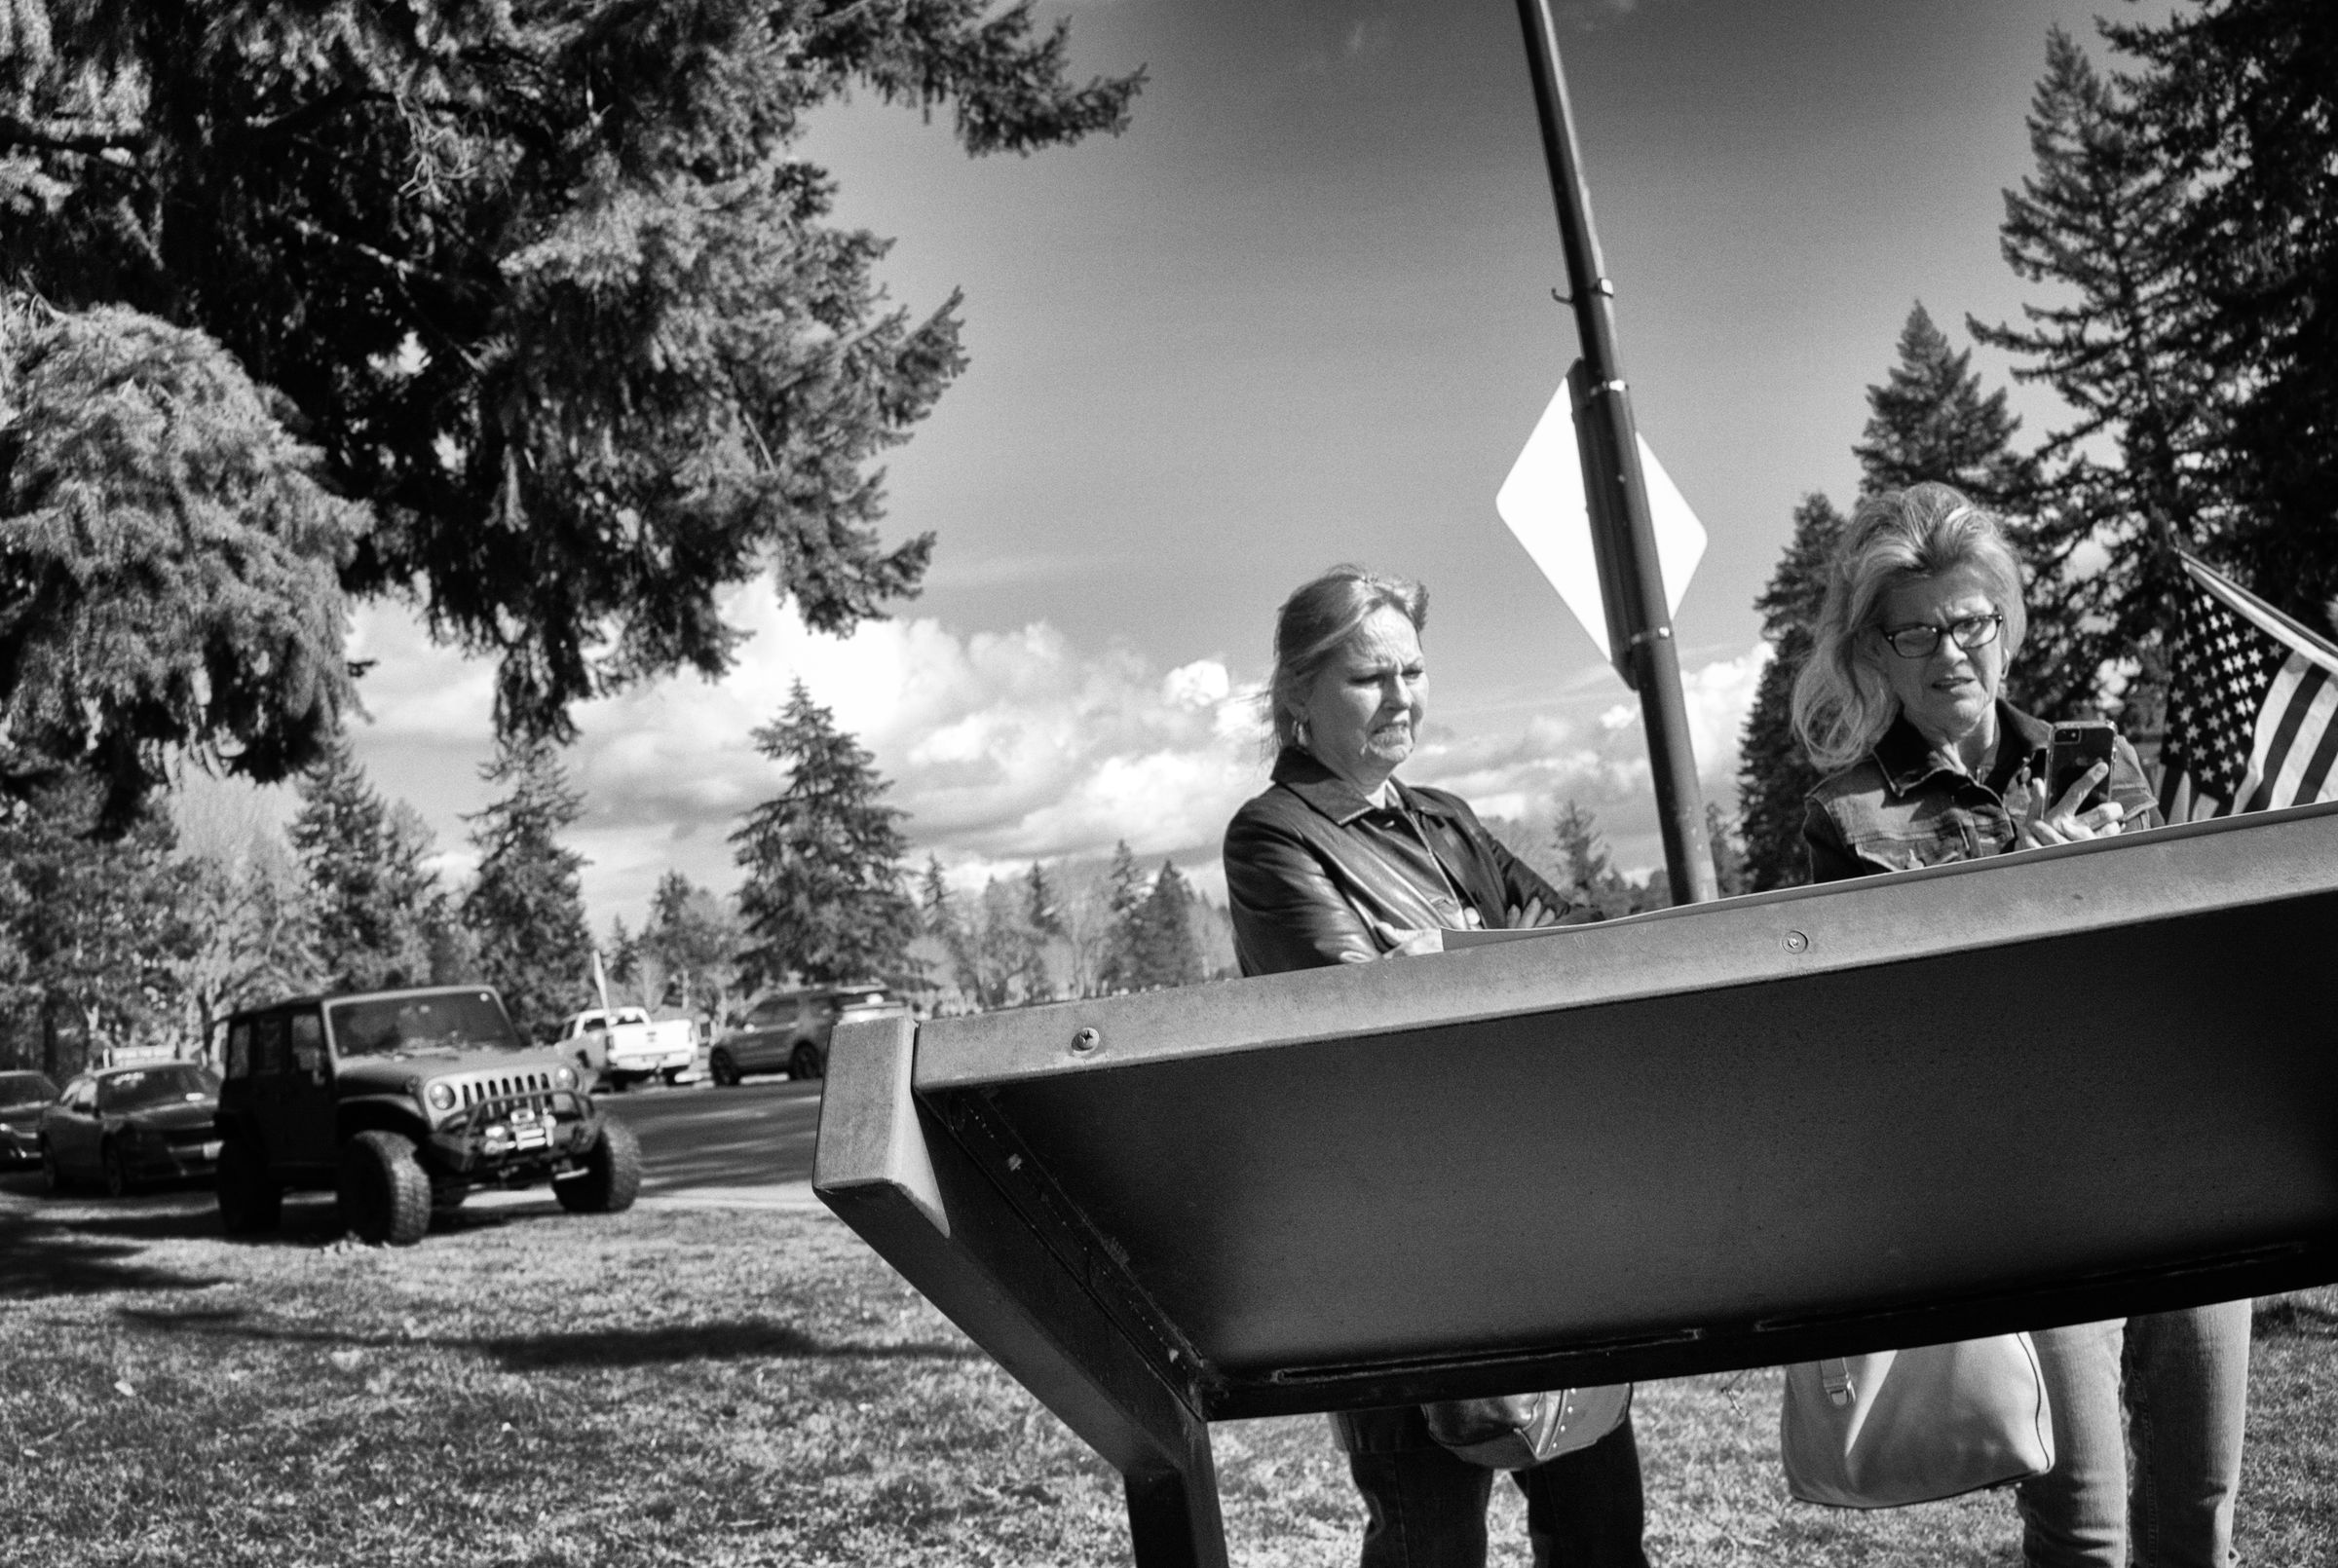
747 1388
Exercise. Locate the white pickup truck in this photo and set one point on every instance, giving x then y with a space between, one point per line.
624 1045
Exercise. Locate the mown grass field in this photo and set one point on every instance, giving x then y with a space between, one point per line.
719 1388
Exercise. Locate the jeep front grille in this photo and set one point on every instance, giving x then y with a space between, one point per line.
503 1086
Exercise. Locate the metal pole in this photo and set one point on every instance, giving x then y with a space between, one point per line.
1622 536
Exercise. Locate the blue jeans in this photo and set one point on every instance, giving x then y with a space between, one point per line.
2182 1381
1427 1508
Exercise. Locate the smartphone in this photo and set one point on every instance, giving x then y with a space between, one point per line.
2078 746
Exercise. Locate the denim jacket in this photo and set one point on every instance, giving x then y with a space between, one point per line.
1315 874
1907 804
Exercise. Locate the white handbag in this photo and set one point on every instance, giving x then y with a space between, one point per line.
1910 1426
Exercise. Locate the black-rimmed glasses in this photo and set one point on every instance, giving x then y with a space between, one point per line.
1923 640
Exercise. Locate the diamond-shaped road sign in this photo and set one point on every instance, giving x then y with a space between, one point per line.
1544 505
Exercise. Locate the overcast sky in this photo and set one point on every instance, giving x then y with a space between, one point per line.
1300 313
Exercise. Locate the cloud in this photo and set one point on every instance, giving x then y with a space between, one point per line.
1003 747
1600 759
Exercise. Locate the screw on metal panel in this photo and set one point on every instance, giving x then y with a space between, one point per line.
1796 941
1086 1040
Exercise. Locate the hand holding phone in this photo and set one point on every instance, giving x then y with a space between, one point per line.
2072 801
2076 748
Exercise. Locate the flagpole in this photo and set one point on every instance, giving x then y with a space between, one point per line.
1623 536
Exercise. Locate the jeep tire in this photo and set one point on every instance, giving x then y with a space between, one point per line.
385 1196
249 1201
723 1070
612 1176
804 1061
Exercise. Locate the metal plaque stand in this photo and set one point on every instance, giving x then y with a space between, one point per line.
1719 1136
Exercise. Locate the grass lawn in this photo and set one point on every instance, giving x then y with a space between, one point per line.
753 1387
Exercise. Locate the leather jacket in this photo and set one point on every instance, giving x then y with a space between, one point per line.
1317 875
1907 804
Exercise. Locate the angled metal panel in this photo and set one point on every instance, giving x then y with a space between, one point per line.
2034 1089
1974 906
893 1173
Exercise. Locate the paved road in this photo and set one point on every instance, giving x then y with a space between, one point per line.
747 1147
750 1144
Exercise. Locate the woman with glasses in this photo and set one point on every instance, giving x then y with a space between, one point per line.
1927 763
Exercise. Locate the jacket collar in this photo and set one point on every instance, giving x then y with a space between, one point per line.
1908 758
1298 772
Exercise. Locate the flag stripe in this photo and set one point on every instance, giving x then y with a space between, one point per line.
2286 706
2313 783
2313 704
2252 704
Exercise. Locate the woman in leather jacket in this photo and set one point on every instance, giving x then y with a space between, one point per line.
1927 763
1339 862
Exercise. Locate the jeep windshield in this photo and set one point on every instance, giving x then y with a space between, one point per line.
443 1024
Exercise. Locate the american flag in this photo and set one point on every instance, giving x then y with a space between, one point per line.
2250 706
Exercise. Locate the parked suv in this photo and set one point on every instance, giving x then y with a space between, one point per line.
402 1101
789 1031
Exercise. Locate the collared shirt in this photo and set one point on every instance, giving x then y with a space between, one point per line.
1317 874
1910 803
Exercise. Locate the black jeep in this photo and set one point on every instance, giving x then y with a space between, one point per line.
403 1102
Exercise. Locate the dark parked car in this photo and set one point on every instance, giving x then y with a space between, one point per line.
402 1101
789 1032
23 1095
124 1126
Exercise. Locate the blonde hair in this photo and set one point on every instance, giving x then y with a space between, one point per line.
1843 700
1315 623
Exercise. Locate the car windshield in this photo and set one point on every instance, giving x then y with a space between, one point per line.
26 1089
444 1024
168 1083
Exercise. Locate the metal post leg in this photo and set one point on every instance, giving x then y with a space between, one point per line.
1173 1519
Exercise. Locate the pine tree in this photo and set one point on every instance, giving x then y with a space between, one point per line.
1773 773
1042 924
692 940
621 960
823 898
167 559
374 895
2102 220
2238 102
554 285
445 956
249 905
103 927
526 907
1929 419
1730 872
1582 854
1124 899
1165 952
1588 871
940 918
